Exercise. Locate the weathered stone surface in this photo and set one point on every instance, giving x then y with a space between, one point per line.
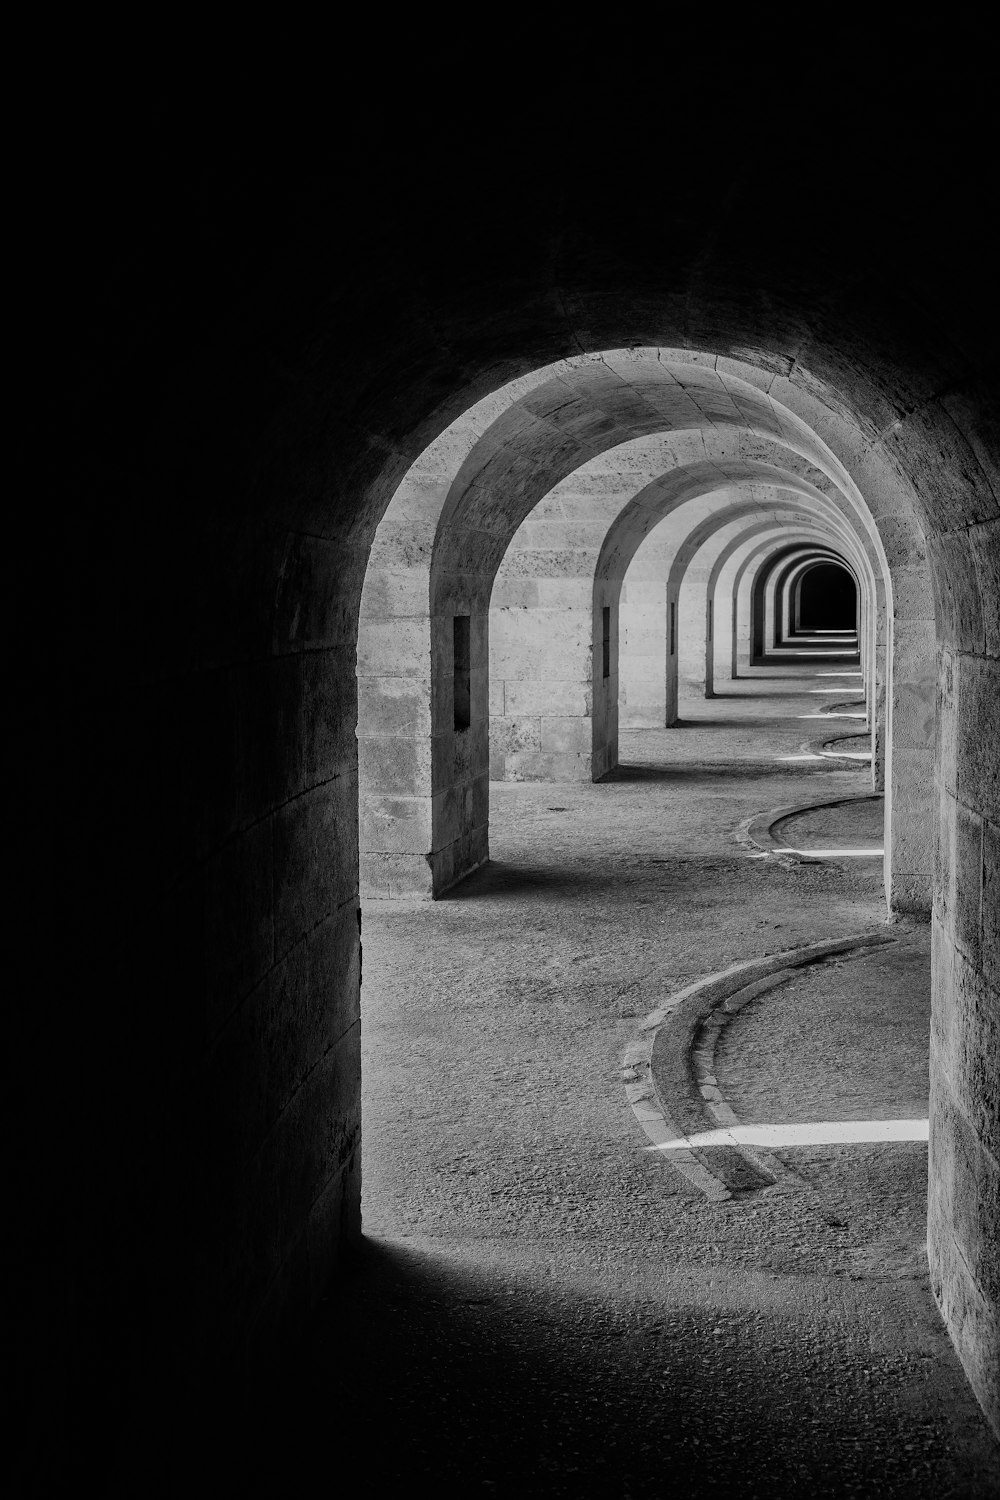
535 765
398 765
394 824
963 1221
397 706
394 648
968 884
984 540
975 750
562 736
568 699
388 875
510 734
991 904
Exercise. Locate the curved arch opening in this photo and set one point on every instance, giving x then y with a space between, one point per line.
827 600
677 425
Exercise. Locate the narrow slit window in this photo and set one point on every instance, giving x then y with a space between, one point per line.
606 641
710 619
463 671
673 627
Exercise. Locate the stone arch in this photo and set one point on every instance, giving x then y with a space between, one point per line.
626 540
531 435
714 554
836 540
776 589
558 723
751 544
779 588
299 620
643 602
732 590
447 531
901 506
767 599
250 415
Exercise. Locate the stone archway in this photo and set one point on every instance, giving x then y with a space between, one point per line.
904 562
447 530
245 389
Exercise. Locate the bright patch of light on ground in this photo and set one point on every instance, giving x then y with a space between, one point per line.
813 1133
833 853
801 757
838 674
831 716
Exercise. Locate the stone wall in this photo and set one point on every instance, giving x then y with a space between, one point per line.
964 1207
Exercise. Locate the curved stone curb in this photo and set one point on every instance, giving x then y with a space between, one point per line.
857 760
683 1033
757 830
845 758
845 708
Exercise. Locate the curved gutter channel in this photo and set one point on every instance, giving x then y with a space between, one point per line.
852 758
857 760
680 1038
758 829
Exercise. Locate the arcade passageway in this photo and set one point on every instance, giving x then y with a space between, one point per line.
547 1306
483 498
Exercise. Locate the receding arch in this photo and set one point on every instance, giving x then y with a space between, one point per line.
775 590
749 546
631 532
456 513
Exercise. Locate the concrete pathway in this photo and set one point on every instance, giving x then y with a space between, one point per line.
547 1307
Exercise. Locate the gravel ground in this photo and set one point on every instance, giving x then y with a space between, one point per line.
852 1035
544 1307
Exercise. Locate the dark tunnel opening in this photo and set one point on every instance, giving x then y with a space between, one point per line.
828 599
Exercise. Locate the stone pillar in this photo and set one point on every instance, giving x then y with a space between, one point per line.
460 741
541 672
694 609
964 1202
605 684
909 845
394 731
673 622
643 634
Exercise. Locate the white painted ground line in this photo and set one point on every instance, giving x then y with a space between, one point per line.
831 853
813 1133
640 1089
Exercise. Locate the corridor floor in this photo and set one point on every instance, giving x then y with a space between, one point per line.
546 1306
